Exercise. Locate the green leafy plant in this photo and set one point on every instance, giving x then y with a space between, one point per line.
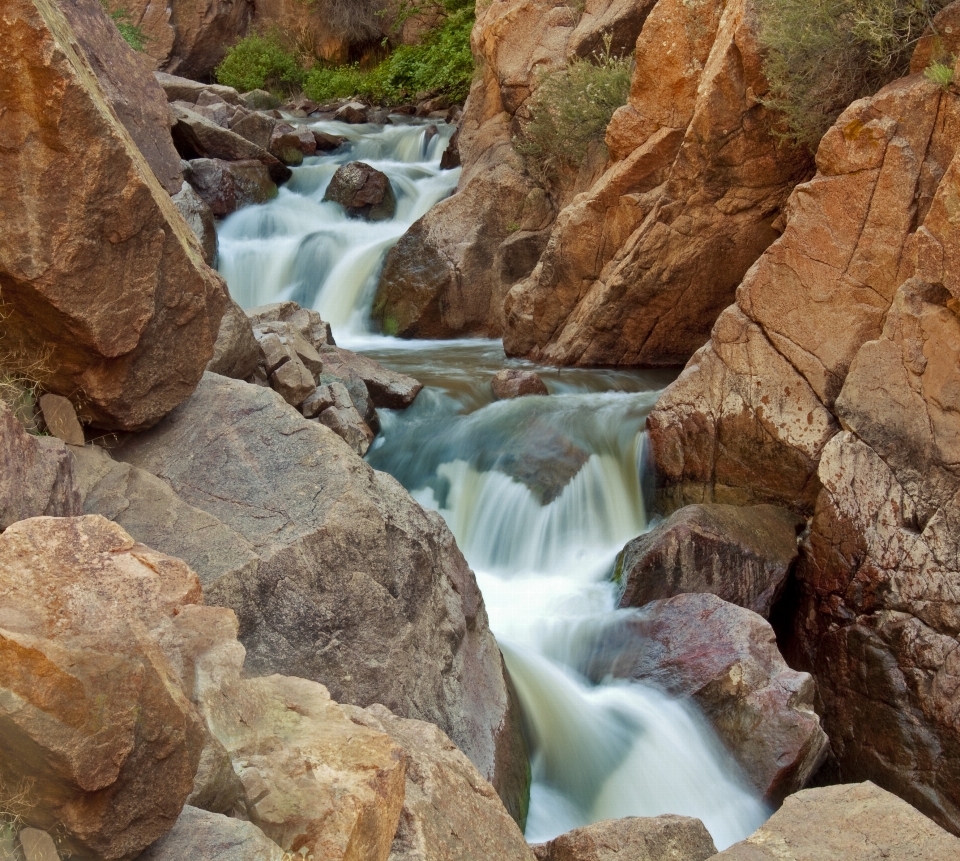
132 34
940 73
821 55
260 62
571 109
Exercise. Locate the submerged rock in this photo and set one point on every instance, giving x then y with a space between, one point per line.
363 191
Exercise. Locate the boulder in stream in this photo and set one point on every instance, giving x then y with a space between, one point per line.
515 383
226 186
363 191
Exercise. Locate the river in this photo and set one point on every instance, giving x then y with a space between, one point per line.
541 493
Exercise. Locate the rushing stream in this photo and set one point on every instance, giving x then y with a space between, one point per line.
540 492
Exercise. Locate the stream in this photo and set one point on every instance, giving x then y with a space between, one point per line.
541 494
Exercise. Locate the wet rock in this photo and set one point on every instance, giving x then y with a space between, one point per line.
255 127
342 417
856 822
327 142
200 219
114 277
352 112
60 418
388 389
292 492
449 810
542 458
451 155
290 144
129 87
260 100
226 186
742 555
363 191
236 352
110 743
179 89
656 838
199 834
514 383
726 660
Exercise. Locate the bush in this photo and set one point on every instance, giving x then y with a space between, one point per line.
821 55
261 63
571 109
132 34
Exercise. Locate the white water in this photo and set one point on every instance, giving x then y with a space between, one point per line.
601 748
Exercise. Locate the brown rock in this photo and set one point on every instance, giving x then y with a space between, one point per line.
634 838
742 555
178 89
939 42
103 266
293 382
256 127
212 837
451 155
200 219
514 383
363 191
110 743
226 186
290 16
306 322
342 418
37 845
236 352
726 660
216 786
858 822
352 112
286 145
388 389
61 419
129 87
326 142
260 100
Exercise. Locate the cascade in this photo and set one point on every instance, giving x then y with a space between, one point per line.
540 492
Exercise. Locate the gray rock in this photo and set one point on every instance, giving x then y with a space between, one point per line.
179 89
853 822
351 583
388 389
307 323
199 834
352 112
343 418
256 128
286 144
633 838
741 554
236 352
216 786
199 216
293 382
363 192
61 419
326 142
514 383
227 186
37 845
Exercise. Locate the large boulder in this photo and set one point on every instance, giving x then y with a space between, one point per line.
742 555
102 266
638 268
213 837
178 89
726 660
363 192
334 572
226 186
103 753
857 822
37 474
634 838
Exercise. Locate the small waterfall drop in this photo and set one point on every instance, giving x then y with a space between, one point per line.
541 493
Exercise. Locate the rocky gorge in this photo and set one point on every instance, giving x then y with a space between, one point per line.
273 585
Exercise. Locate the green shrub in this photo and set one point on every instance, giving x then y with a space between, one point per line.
132 34
571 109
821 55
261 63
940 73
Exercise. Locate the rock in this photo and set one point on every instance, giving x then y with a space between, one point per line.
540 457
726 660
37 845
199 834
129 87
291 492
236 352
179 89
857 822
293 382
637 271
226 186
742 555
260 100
110 743
451 155
634 838
343 418
326 142
450 813
198 137
287 145
255 127
940 41
61 419
216 786
306 322
748 419
283 341
103 266
352 112
215 109
363 191
200 219
388 389
514 383
37 474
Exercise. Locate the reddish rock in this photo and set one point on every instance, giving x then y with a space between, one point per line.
363 191
290 144
226 186
61 419
514 383
256 127
352 112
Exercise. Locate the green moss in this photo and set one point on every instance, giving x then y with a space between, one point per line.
390 326
261 63
132 34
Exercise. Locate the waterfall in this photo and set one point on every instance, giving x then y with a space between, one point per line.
540 492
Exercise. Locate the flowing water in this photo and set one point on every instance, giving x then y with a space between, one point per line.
540 492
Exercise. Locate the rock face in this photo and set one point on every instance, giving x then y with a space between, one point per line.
37 475
110 742
725 658
742 555
857 822
450 813
363 191
449 273
638 268
102 266
513 383
289 491
655 838
199 834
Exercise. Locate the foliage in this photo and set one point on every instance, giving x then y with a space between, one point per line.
940 73
261 63
571 109
132 34
441 63
350 20
821 55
